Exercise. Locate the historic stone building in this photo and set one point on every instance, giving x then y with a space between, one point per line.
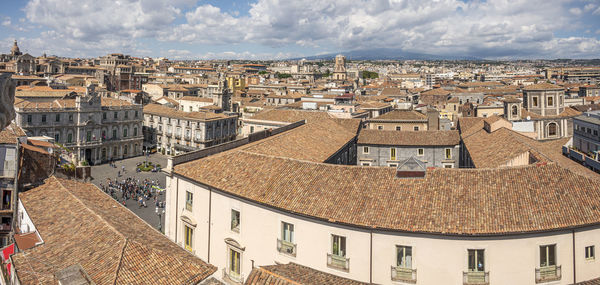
543 106
96 129
174 131
339 70
18 62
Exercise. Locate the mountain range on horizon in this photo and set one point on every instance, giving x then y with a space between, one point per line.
387 54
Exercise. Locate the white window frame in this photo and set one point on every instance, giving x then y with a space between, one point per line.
420 150
365 149
590 253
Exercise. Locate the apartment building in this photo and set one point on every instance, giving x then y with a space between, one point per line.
10 139
174 131
96 129
586 133
389 148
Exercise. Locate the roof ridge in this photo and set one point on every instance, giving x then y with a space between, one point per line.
120 261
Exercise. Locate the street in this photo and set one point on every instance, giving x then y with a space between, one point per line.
100 173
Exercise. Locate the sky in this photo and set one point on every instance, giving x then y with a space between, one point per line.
280 29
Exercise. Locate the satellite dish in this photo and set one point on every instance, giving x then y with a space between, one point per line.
528 118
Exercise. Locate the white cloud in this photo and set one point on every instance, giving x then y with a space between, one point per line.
575 11
6 21
589 7
492 28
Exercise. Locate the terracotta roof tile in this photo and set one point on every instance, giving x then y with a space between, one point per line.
294 274
79 224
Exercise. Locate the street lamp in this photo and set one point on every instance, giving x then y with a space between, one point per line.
160 213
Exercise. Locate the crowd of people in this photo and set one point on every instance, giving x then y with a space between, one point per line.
134 189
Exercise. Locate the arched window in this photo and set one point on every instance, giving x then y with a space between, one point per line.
135 131
514 110
124 132
552 129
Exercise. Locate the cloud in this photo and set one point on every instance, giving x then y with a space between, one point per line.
480 28
575 11
589 7
489 29
6 22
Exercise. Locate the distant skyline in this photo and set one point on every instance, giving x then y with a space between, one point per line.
280 29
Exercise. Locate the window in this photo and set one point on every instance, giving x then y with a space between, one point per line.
393 165
338 246
115 115
56 137
189 199
448 153
589 252
547 255
136 114
114 136
552 129
57 118
476 260
380 127
88 136
398 128
235 221
448 166
420 152
125 132
366 164
126 114
104 116
70 117
365 149
392 154
43 118
287 232
550 101
29 118
134 132
234 263
69 138
416 128
534 101
252 129
189 234
404 256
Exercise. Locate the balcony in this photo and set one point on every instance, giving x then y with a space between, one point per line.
232 278
177 136
338 262
286 247
547 274
406 275
476 278
187 137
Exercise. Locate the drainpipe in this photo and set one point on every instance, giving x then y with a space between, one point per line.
176 204
574 263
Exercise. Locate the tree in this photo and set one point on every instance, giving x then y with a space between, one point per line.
370 75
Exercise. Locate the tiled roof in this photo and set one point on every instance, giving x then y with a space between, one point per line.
446 201
402 115
294 274
66 103
290 116
408 138
436 92
312 142
196 99
159 110
374 105
11 133
543 86
81 225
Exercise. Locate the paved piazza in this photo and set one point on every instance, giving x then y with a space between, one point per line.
101 172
